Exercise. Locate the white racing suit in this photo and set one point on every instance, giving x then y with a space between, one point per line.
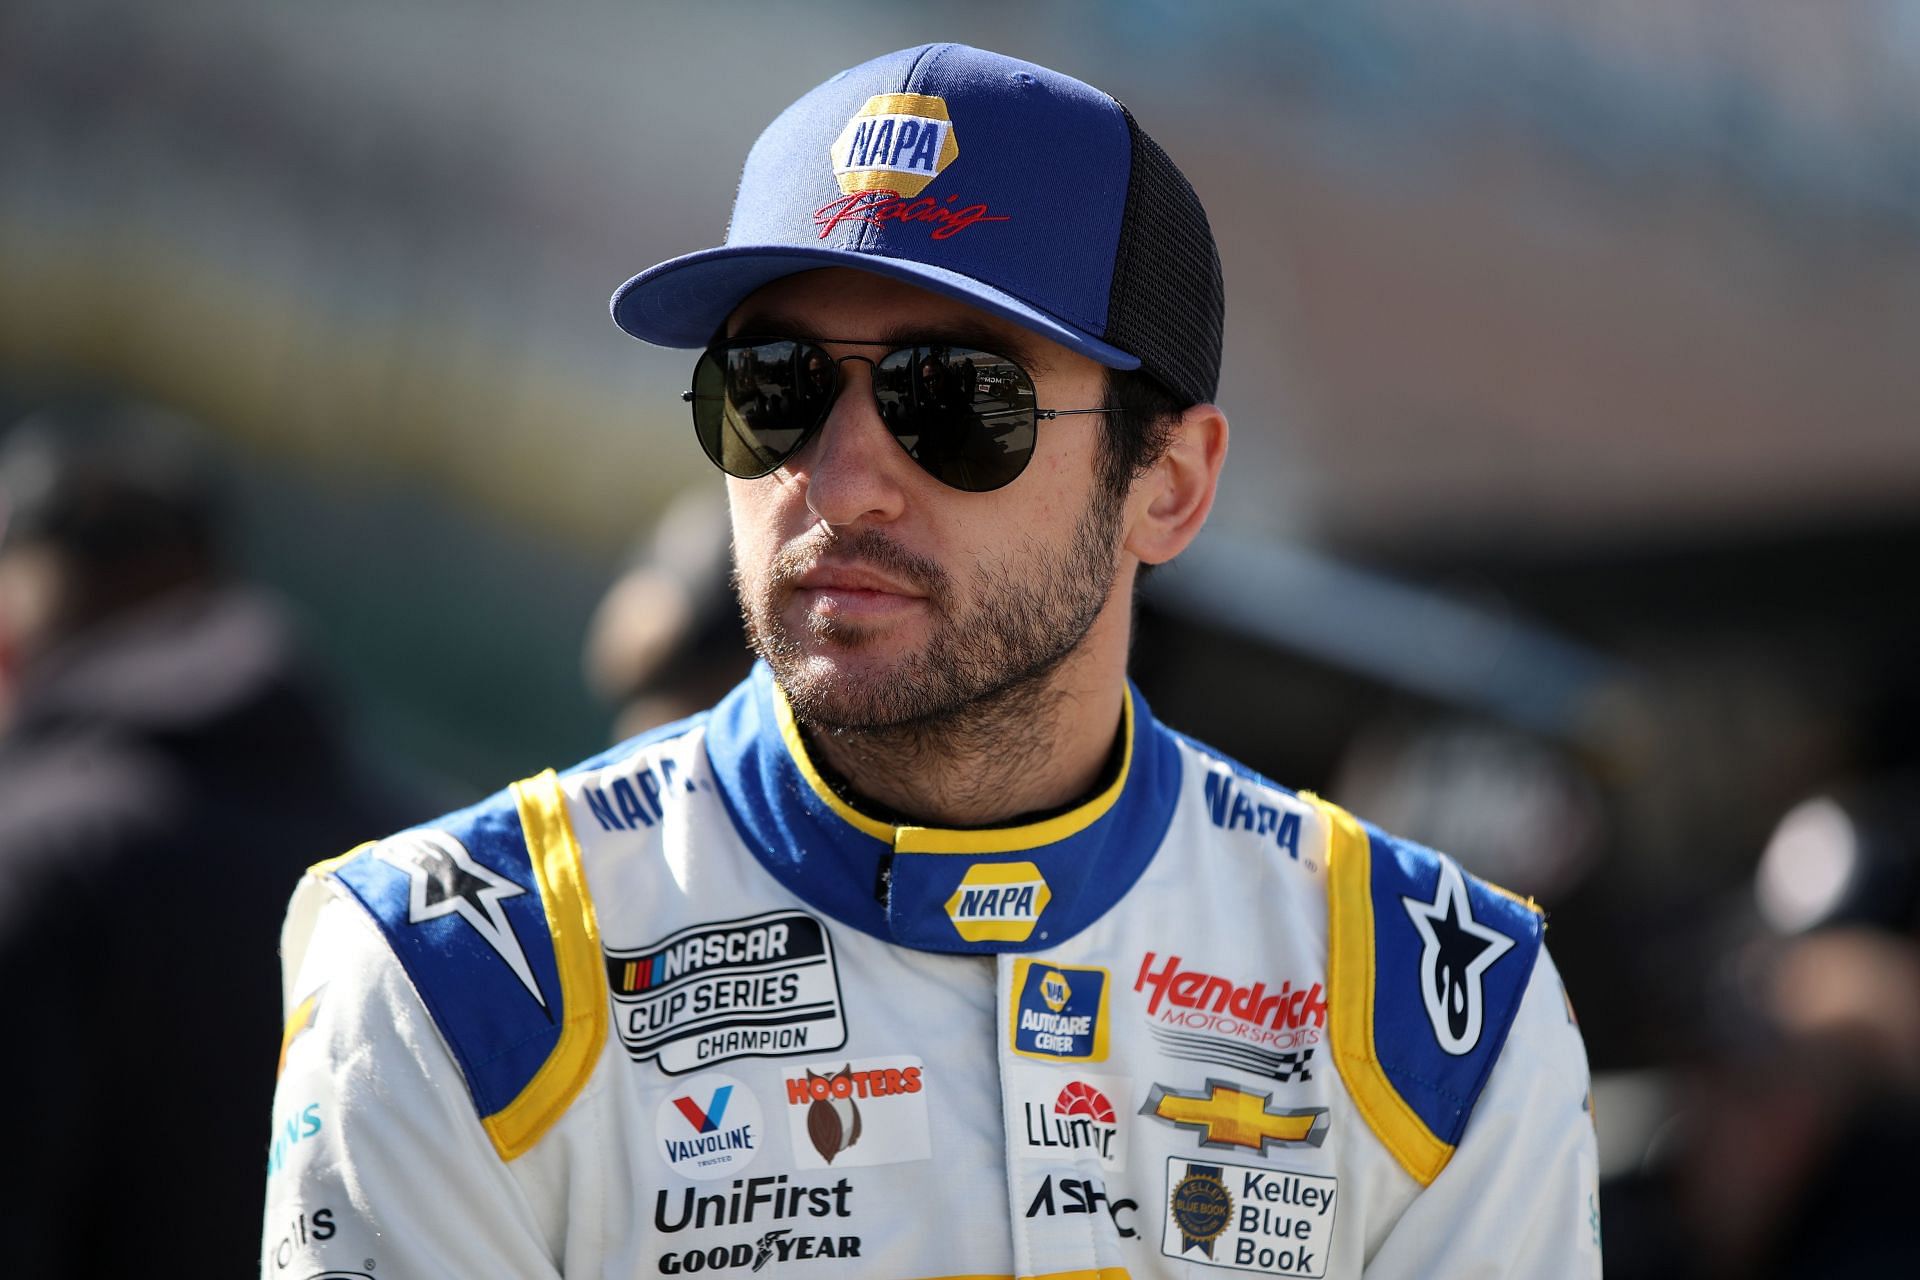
682 1010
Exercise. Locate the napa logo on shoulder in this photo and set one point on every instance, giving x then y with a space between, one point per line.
897 142
999 902
1059 1011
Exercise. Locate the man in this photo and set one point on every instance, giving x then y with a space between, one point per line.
156 709
928 952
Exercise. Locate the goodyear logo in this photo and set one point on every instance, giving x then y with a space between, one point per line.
897 142
1059 1011
998 901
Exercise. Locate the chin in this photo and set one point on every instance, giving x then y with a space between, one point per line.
840 687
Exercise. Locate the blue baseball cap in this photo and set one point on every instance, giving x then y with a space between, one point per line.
994 181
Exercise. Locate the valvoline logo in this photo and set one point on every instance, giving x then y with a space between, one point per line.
999 901
710 1129
1059 1011
896 142
706 1119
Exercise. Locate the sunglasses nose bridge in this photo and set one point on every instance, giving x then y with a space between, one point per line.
871 398
847 466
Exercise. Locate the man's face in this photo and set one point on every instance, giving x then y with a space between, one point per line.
881 597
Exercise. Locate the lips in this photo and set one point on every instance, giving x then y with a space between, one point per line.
850 578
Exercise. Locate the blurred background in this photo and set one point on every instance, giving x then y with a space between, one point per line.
1572 523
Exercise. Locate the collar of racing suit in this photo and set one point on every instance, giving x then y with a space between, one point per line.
1017 888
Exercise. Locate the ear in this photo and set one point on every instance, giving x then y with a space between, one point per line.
1171 501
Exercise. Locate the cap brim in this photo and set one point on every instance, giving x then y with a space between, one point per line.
683 301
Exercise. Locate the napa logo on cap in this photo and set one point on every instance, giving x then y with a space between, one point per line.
897 142
999 901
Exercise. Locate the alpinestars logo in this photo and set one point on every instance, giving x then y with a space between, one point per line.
444 879
1456 951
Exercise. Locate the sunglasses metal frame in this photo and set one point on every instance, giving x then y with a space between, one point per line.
892 349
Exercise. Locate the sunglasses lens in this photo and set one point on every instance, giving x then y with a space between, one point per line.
965 416
755 404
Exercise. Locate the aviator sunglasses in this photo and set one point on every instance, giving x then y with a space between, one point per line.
966 416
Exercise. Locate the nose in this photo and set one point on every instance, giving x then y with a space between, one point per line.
853 469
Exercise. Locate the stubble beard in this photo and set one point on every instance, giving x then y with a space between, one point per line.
984 669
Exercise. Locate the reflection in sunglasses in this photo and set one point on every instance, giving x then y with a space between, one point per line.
966 416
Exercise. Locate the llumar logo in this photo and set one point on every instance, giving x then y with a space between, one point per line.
896 142
998 901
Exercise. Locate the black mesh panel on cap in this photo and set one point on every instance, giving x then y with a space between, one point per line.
1169 303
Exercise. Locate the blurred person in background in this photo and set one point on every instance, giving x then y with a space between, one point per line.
928 950
666 640
1797 1095
166 762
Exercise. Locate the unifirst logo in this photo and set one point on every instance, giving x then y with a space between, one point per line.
999 901
897 142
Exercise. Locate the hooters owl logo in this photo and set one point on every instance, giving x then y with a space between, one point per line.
833 1121
896 142
867 1111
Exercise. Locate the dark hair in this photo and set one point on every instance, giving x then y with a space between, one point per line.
1137 433
1139 428
109 483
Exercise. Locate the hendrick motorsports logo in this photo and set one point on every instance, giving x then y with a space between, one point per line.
1059 1011
1283 1067
1266 1220
763 986
1278 1018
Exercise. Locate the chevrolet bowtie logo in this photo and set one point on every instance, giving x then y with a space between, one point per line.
1226 1116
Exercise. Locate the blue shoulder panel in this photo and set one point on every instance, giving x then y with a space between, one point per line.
1453 956
461 906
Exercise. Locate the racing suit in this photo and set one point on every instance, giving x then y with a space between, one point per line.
684 1010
